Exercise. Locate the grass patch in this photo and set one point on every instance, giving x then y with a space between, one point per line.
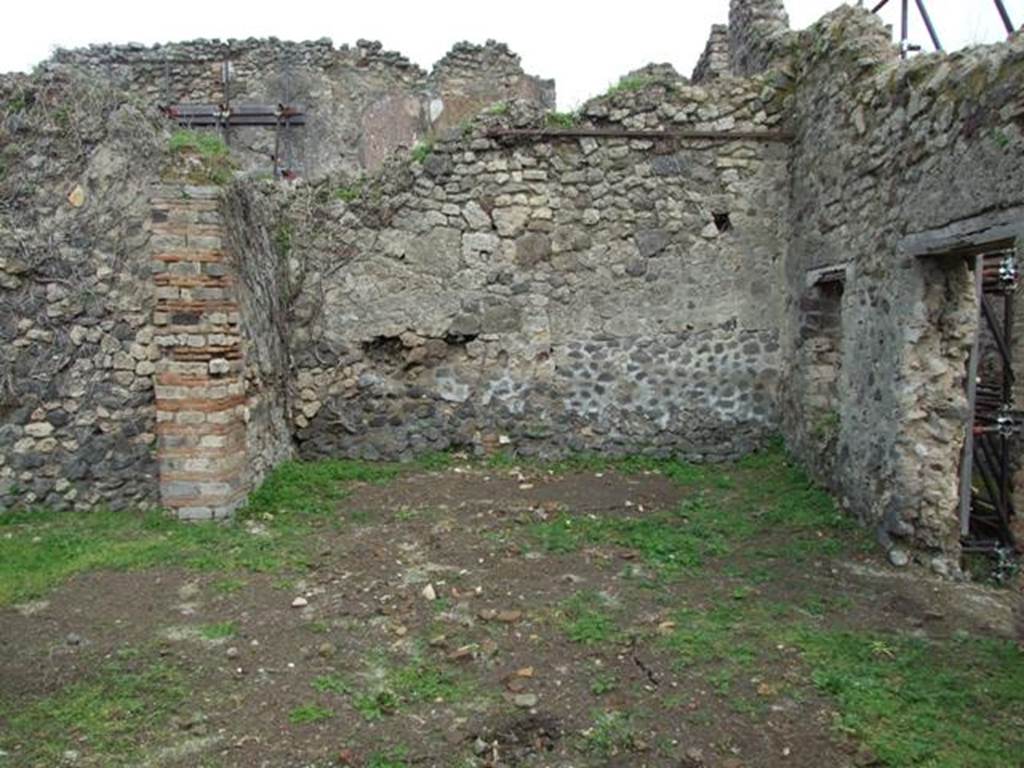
417 682
611 734
560 119
108 718
629 84
725 635
220 631
228 586
331 684
309 713
604 683
204 143
422 150
587 620
391 758
671 541
40 548
312 488
215 166
283 238
374 706
762 495
352 191
921 703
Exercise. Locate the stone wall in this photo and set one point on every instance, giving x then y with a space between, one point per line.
77 421
759 35
263 293
714 61
886 152
361 102
519 283
605 294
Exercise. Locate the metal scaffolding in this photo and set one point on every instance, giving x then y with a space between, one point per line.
282 117
986 500
906 46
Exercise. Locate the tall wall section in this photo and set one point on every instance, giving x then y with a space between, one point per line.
77 351
759 35
361 102
886 152
605 293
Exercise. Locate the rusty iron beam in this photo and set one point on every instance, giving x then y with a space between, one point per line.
240 115
621 133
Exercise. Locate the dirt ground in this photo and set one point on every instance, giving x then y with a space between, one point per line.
432 629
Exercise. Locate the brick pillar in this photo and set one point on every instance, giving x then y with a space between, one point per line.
200 395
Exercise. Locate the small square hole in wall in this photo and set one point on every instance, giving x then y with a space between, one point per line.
722 221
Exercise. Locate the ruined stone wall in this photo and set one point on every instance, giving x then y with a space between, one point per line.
361 102
714 61
553 295
759 35
77 420
886 150
263 293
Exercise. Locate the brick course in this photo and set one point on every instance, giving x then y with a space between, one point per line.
199 385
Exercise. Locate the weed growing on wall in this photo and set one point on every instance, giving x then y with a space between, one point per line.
561 119
628 84
201 157
422 150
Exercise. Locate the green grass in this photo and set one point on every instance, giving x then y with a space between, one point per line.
375 705
417 682
352 191
422 150
629 84
19 102
588 621
612 733
309 713
206 144
283 239
919 703
331 684
228 586
724 635
604 683
40 548
107 717
730 505
220 631
216 166
391 758
913 702
561 119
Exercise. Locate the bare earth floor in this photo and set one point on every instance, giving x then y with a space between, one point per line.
590 614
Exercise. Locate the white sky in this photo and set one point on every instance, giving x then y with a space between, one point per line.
585 46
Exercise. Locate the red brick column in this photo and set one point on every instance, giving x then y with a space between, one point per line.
200 394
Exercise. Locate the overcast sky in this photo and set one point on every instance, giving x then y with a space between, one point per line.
585 46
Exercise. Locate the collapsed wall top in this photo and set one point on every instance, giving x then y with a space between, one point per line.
360 102
753 40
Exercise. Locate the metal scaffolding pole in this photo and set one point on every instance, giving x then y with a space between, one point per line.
1005 17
